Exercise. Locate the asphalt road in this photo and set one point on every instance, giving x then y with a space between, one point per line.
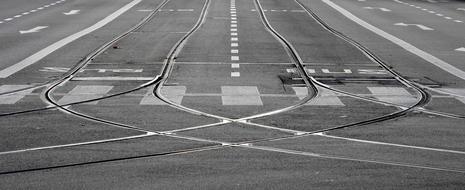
236 94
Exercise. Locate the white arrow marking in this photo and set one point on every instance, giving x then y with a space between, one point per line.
380 8
461 9
423 27
460 49
36 29
72 12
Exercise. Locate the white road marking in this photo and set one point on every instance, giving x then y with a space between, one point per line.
185 10
462 49
233 33
72 12
233 25
380 8
48 50
233 29
8 19
461 9
17 16
448 18
234 44
233 18
234 21
145 10
235 51
240 95
458 21
55 69
14 97
36 29
235 74
234 39
439 15
325 97
412 49
234 58
235 65
85 92
423 27
431 12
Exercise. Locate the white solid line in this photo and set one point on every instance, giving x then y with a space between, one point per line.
391 144
235 65
234 51
235 74
424 55
48 50
112 78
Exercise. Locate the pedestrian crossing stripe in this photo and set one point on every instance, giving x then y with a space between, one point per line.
230 95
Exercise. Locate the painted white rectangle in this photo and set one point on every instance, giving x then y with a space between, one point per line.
85 92
233 15
15 97
234 21
241 95
233 25
234 44
233 18
235 74
234 58
234 39
235 65
325 98
233 33
234 51
233 29
48 50
396 95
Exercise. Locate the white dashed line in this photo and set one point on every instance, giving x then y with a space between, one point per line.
234 58
234 51
233 33
233 25
235 65
439 15
234 44
17 16
233 29
233 18
235 74
234 21
8 19
459 21
234 39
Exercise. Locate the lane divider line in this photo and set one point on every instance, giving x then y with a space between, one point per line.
57 45
407 46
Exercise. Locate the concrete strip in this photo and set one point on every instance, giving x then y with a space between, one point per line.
241 95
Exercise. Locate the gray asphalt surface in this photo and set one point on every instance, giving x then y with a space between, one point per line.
237 94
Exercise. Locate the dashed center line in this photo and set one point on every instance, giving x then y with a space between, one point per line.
32 11
428 11
234 40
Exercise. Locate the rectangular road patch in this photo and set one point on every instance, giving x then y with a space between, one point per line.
172 93
240 95
396 95
15 97
326 97
85 92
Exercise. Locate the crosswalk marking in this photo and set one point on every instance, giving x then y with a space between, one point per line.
326 97
240 95
396 95
172 93
231 95
85 92
15 97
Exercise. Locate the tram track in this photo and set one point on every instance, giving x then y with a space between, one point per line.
166 71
